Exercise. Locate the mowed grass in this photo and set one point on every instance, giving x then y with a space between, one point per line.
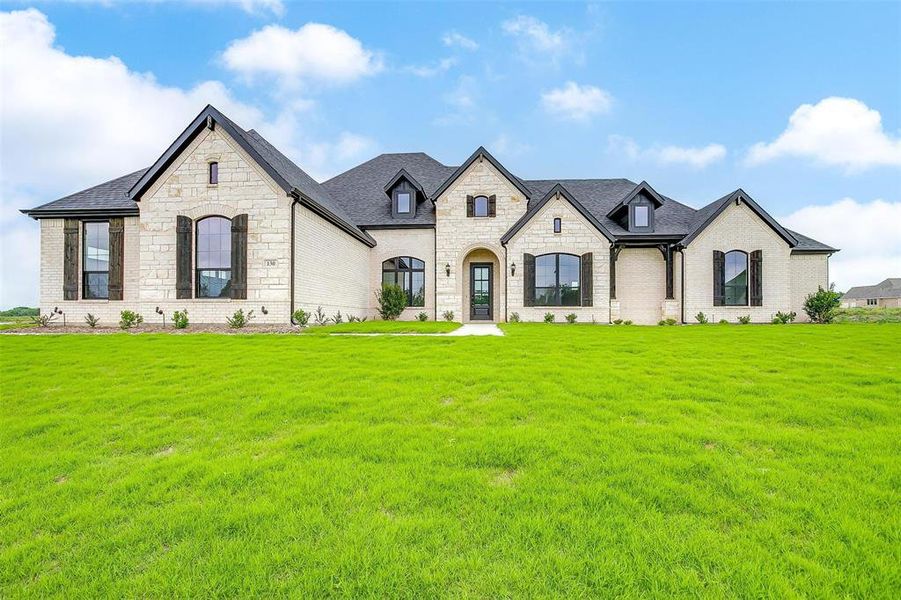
758 461
385 327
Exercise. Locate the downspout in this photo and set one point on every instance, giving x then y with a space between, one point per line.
435 260
682 284
506 287
291 278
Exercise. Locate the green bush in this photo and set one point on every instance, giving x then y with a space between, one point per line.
129 319
43 320
448 315
667 322
617 321
627 322
301 317
744 320
423 316
822 305
782 318
91 320
701 318
548 317
724 322
392 301
337 319
571 318
180 319
238 320
514 317
319 316
353 319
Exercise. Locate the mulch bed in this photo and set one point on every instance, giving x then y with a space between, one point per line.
56 329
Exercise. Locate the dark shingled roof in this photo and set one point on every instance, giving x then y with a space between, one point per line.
108 197
890 288
361 190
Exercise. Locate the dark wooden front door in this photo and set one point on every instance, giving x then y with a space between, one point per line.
480 292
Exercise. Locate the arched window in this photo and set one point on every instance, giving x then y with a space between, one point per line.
214 257
409 274
480 206
736 278
557 280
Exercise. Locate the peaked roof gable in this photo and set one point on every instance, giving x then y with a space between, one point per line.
402 174
558 189
889 288
481 152
643 187
708 214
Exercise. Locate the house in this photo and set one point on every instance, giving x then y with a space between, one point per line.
882 295
223 220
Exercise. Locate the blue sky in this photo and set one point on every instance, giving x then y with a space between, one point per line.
695 98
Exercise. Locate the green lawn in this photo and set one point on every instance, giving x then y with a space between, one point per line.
386 327
758 461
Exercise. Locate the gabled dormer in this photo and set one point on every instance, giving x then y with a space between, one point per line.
405 194
635 213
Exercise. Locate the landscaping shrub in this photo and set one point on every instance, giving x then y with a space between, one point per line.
355 319
548 317
514 317
617 321
822 305
129 319
448 315
301 317
724 322
571 318
91 320
701 318
319 316
43 320
664 322
423 316
180 319
239 319
782 318
392 301
627 322
337 319
744 320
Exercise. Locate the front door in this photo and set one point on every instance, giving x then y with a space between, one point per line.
480 292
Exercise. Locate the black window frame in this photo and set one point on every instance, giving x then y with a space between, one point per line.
558 225
84 261
213 173
475 206
872 302
633 206
226 294
412 199
558 296
727 285
410 270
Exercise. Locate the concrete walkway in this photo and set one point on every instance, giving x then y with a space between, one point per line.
477 329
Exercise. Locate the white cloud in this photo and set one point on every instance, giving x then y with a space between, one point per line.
453 38
695 157
535 39
576 102
868 234
315 53
504 145
835 131
442 66
69 122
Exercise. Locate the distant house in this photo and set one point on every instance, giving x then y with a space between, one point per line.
882 295
223 220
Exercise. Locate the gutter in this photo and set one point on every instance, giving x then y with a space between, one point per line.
682 284
291 277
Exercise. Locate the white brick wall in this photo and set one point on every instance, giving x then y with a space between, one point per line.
641 285
739 228
331 268
418 243
577 236
808 272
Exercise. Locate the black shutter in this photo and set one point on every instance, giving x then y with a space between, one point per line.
528 280
719 278
587 279
469 206
183 257
756 277
70 259
116 257
492 205
239 257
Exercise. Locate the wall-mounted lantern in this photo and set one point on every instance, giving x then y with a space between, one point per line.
263 310
160 312
56 310
447 269
513 268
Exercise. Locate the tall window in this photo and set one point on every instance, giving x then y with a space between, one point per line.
558 225
214 257
736 278
95 267
641 216
480 206
404 202
214 172
557 278
409 274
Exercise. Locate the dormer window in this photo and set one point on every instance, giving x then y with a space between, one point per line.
403 202
641 216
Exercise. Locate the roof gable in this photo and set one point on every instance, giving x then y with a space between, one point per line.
534 208
707 215
402 174
643 188
481 152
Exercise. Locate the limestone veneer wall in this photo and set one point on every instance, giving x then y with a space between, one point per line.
418 243
577 236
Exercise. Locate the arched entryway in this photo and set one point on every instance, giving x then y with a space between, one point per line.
482 286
